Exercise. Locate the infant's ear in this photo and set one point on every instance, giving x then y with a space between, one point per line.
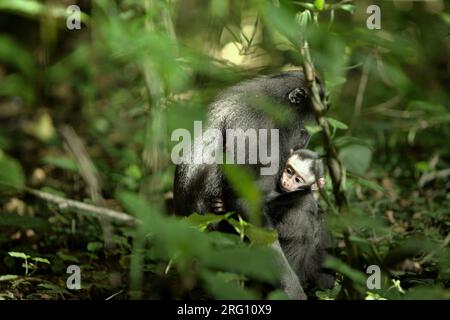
291 151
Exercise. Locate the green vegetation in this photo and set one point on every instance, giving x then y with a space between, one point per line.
87 115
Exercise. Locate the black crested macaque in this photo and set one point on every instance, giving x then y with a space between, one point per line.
202 188
292 210
198 185
303 171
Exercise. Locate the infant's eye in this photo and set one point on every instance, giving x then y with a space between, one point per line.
297 179
288 170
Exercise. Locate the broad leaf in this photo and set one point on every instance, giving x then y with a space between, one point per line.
356 158
11 174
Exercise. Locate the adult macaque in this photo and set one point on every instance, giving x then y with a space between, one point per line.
197 185
202 187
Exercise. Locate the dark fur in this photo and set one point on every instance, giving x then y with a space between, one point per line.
302 235
197 187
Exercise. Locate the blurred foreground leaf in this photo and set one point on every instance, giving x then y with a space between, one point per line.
222 288
341 267
11 174
356 158
243 183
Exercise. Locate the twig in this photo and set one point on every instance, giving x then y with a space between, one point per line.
380 67
65 203
91 176
427 177
114 295
334 165
168 23
401 114
154 154
86 167
361 90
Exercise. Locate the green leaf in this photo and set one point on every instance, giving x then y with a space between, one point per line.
224 239
221 286
219 8
446 18
356 158
19 255
422 166
369 184
36 9
425 292
337 124
133 172
8 277
42 260
319 4
14 54
140 208
30 8
67 257
260 236
94 246
203 220
11 174
277 295
23 222
313 129
346 7
335 81
373 296
240 226
243 182
247 261
52 287
306 5
341 267
64 163
303 19
328 294
345 141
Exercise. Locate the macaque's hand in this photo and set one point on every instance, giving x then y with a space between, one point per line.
318 185
321 182
218 206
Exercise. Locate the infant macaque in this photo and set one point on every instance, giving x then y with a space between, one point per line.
303 170
293 211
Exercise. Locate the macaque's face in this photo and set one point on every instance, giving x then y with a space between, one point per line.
299 173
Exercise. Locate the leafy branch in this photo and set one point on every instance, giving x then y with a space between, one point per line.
333 163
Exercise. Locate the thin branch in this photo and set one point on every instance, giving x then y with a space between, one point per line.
92 177
65 203
382 72
427 177
154 154
333 162
334 165
361 91
114 295
86 167
168 23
